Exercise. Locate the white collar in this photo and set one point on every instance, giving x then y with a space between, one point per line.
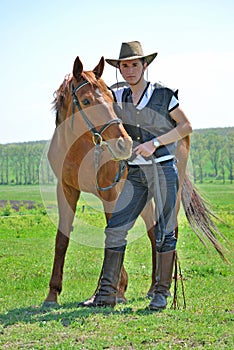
147 95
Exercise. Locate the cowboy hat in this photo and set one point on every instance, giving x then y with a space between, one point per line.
130 51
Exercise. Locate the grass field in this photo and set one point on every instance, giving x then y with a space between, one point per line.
26 256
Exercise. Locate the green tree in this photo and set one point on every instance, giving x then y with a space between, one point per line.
230 153
197 156
213 145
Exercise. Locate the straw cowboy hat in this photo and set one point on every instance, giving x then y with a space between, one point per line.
130 51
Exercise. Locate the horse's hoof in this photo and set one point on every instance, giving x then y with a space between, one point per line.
50 305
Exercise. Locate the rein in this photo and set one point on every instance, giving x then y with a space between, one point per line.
97 137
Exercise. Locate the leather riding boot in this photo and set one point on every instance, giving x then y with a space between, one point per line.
106 295
164 269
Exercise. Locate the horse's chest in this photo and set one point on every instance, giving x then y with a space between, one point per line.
79 172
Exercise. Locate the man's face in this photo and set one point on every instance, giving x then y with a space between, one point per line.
132 70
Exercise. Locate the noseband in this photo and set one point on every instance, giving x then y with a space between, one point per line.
97 136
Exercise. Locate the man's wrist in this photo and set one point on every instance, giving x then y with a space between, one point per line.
156 143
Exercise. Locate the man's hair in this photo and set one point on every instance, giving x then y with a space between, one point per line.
142 59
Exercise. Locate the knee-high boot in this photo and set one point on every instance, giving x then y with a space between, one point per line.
164 269
106 295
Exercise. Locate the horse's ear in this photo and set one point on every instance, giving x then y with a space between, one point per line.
98 70
77 68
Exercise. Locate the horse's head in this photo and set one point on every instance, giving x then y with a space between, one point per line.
86 93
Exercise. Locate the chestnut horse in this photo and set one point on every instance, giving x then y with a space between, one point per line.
87 148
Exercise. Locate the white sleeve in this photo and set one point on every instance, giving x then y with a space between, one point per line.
118 94
173 103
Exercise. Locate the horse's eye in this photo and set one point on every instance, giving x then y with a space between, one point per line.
86 102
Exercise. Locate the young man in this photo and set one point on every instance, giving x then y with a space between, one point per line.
153 118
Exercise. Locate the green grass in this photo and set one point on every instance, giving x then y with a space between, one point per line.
20 193
26 256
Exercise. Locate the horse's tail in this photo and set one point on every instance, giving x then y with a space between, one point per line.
200 217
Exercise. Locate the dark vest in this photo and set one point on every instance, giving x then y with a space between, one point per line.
152 121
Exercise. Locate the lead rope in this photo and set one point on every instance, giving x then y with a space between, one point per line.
121 169
158 206
175 303
160 240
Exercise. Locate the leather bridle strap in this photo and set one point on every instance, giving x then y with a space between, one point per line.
97 138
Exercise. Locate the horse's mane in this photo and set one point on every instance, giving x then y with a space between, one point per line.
61 93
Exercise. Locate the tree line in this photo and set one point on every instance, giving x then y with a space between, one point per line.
22 163
211 159
212 154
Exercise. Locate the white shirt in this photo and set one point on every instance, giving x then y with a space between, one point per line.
139 160
147 95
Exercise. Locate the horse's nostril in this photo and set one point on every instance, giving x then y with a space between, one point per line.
121 144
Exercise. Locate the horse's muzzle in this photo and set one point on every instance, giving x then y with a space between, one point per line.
123 148
120 149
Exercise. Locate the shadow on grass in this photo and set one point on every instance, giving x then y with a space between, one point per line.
66 314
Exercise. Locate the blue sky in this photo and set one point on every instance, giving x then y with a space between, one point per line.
40 40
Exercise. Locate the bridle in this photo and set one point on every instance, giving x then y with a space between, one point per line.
97 134
97 137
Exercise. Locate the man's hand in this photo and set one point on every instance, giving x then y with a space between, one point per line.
145 149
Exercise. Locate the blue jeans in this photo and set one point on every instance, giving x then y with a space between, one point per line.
138 189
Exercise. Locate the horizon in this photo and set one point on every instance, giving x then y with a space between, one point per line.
48 140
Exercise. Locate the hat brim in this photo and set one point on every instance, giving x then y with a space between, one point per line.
115 63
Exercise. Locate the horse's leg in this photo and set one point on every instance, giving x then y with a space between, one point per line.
67 199
122 286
